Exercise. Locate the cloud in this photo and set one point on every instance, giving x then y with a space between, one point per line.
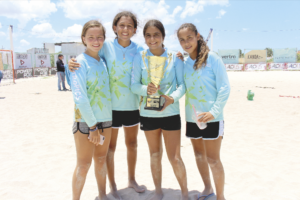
45 30
24 43
193 7
0 25
245 29
24 11
2 34
106 10
221 13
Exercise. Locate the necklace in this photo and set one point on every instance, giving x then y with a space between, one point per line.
124 54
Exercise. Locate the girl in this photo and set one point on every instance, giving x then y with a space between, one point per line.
167 122
119 54
93 118
207 90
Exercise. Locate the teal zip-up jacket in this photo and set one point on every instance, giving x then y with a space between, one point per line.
119 70
207 88
91 93
172 83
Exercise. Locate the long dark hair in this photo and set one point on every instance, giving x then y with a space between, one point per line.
202 48
126 14
158 25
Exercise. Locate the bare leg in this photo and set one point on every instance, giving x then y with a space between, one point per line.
100 154
85 151
172 143
155 148
110 163
131 143
212 148
201 161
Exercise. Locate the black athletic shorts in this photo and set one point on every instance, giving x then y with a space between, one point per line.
125 118
82 127
171 123
213 131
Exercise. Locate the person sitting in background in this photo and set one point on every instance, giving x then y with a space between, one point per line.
61 72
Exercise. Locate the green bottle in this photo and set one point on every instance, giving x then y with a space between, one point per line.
250 95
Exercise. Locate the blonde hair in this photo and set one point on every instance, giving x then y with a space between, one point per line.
91 24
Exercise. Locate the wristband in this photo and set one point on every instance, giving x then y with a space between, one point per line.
92 130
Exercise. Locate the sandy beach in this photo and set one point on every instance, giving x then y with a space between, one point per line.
260 150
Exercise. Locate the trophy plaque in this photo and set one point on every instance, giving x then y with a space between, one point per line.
156 73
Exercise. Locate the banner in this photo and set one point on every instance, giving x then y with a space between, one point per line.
256 57
252 67
43 71
23 73
293 66
277 66
234 67
6 61
42 60
288 55
230 56
22 61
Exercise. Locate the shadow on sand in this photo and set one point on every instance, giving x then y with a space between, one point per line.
169 194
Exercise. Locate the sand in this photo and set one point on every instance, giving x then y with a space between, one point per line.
260 150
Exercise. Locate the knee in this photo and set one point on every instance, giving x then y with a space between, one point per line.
213 162
83 168
132 145
98 159
112 148
199 156
175 160
156 156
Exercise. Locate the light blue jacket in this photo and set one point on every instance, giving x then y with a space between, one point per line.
91 93
207 88
120 73
172 83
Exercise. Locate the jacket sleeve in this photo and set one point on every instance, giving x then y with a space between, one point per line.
222 84
79 90
137 86
180 91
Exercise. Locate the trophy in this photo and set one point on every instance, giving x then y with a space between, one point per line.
156 73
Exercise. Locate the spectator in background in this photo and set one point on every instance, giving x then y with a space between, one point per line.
67 72
61 72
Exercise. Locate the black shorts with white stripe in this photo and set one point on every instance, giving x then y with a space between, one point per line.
125 118
212 132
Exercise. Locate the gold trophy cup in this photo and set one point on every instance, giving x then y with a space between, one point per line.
156 72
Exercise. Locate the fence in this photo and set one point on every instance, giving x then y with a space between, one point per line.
30 65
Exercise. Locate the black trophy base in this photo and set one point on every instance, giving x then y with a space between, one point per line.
154 103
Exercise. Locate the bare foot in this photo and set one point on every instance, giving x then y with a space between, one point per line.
206 191
157 196
185 197
114 192
133 184
102 197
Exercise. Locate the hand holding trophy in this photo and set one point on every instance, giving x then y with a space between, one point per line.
156 72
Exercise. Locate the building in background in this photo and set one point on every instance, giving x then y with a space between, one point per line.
74 48
37 50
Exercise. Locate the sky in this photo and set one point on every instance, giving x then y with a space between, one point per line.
237 24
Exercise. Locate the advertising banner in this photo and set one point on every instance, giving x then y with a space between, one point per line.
256 57
253 67
229 56
293 66
23 73
234 67
22 61
277 66
42 60
288 55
